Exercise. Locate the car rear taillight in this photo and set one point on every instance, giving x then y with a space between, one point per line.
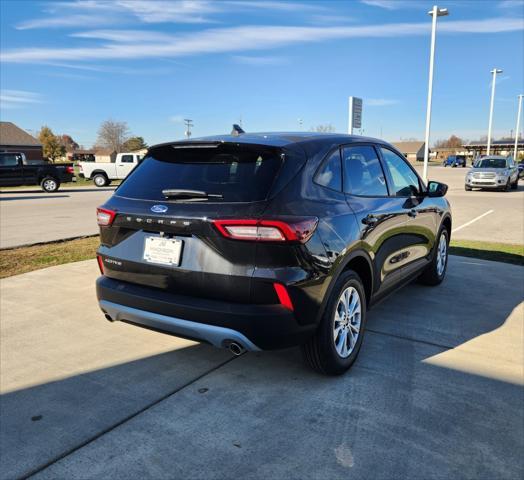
69 169
104 217
296 230
100 264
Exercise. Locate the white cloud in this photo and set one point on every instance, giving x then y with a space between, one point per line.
98 13
379 102
176 118
386 4
257 61
10 99
511 3
125 36
242 39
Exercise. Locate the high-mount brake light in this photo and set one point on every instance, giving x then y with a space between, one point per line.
105 217
296 230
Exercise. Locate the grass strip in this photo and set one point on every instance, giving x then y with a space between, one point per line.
15 261
498 252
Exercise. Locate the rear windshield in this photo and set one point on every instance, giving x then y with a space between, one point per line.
226 172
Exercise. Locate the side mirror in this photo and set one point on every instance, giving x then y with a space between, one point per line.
437 189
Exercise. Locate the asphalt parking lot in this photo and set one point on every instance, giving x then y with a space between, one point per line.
30 216
437 392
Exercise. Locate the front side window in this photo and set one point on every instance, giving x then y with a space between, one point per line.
363 173
330 175
405 180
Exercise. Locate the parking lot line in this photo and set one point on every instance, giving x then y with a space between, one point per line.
467 224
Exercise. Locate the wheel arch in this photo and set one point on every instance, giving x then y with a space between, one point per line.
360 262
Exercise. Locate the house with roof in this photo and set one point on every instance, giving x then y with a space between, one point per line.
14 139
411 150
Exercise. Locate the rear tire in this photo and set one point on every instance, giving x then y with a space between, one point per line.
468 189
49 184
337 341
100 180
515 185
436 270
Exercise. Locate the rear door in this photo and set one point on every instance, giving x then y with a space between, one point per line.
11 172
151 205
382 217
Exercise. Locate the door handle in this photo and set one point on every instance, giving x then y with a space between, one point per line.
412 213
369 220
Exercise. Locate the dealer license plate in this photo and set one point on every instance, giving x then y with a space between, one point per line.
163 251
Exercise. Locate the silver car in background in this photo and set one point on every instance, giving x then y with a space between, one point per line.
493 172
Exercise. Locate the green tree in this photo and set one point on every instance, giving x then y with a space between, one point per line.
51 146
134 143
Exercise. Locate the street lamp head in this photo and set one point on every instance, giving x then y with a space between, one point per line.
496 70
441 12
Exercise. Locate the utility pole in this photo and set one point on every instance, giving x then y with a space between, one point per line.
189 124
517 129
434 12
300 124
494 72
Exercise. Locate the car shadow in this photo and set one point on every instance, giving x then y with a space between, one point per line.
61 190
196 409
10 199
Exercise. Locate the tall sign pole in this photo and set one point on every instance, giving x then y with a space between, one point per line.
517 129
494 81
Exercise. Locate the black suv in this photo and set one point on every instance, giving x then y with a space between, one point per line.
265 241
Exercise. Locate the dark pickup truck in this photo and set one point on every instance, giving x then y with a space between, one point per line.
15 170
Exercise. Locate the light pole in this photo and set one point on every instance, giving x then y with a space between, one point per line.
494 72
189 124
434 12
517 128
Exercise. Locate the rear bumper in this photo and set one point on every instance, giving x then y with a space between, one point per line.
255 327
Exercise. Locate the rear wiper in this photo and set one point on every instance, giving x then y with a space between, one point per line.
193 195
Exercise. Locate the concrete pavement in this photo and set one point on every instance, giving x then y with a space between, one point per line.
437 391
31 216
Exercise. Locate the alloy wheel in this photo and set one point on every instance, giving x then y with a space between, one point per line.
346 322
442 254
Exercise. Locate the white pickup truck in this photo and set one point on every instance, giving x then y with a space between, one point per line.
103 172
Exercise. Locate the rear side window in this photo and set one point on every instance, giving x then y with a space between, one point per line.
363 173
9 160
127 158
330 174
238 173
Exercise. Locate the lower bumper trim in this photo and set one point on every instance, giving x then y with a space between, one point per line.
215 335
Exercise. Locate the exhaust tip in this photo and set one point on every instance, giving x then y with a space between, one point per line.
236 349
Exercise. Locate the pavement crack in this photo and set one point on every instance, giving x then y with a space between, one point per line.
124 420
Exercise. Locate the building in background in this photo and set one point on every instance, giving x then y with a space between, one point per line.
411 150
105 155
498 147
14 139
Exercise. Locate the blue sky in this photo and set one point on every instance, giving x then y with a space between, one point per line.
151 63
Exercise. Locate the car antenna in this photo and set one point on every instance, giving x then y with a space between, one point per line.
237 130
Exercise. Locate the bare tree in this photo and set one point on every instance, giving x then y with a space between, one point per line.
113 135
451 142
326 128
